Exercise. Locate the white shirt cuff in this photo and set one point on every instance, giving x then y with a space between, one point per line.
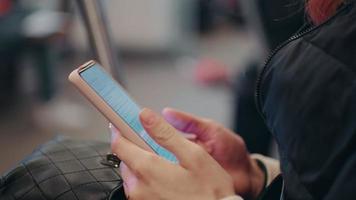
272 167
232 198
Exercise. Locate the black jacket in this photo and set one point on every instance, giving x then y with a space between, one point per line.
279 19
307 96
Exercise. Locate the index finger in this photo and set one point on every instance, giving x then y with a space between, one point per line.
129 153
186 122
168 137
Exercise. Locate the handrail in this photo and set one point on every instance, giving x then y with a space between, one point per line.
95 21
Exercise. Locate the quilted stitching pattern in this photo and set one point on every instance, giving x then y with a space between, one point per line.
62 169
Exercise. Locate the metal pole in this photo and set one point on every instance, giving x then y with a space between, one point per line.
95 21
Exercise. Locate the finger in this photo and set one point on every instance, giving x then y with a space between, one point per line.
165 135
191 137
186 122
129 153
130 180
114 131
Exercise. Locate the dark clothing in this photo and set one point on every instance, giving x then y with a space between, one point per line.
247 121
307 95
280 19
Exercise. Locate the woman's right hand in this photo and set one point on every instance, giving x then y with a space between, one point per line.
148 176
226 147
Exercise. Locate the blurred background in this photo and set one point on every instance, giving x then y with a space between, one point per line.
181 54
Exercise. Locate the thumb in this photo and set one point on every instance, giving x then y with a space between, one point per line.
187 123
166 135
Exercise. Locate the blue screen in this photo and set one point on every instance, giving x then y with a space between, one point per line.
116 97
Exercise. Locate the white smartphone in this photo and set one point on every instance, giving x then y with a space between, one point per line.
116 105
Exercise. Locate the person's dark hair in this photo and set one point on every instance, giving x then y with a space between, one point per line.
320 10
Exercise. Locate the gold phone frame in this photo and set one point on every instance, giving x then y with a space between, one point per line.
125 130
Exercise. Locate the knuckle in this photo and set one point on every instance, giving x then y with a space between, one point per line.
209 121
216 127
139 169
198 153
219 128
151 159
208 124
142 167
164 132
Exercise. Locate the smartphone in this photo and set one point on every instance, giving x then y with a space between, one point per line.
116 105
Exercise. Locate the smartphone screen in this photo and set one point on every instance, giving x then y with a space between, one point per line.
116 97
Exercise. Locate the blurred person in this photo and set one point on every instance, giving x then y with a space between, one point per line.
28 27
11 46
306 94
209 12
273 22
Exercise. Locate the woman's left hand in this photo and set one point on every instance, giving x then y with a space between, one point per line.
148 176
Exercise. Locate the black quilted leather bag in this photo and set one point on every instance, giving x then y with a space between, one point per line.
64 169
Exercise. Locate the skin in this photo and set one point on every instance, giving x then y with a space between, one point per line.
225 146
214 166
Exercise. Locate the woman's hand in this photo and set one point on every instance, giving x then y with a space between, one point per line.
148 176
226 147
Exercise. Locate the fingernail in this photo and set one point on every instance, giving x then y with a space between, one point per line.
166 110
148 117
